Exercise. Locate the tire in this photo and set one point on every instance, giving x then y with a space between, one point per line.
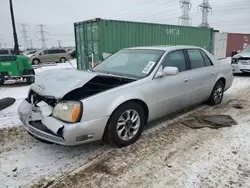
30 80
36 62
1 81
217 93
123 139
62 60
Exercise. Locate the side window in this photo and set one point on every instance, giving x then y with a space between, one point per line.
45 52
175 59
196 59
61 51
52 51
208 62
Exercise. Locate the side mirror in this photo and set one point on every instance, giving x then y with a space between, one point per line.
170 71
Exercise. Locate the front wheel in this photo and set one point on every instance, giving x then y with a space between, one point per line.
126 124
217 93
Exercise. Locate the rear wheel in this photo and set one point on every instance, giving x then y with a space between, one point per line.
31 78
217 93
63 60
126 124
36 62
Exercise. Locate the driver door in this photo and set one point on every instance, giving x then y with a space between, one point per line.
172 93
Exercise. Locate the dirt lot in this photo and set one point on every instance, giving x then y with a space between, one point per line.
168 154
176 156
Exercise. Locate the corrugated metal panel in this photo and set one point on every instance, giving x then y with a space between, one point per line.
108 36
219 45
236 41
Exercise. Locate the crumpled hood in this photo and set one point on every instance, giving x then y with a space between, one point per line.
240 55
59 82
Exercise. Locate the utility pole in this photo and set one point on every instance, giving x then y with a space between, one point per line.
205 9
42 32
16 46
185 18
25 36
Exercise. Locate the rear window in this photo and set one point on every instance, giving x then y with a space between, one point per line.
57 51
8 58
61 51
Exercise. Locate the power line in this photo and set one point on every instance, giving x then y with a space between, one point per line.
185 18
205 8
25 36
42 32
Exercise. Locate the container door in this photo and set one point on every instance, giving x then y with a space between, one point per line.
219 45
80 46
92 41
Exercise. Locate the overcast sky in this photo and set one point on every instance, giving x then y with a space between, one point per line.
59 16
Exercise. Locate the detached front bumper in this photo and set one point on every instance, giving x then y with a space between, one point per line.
56 131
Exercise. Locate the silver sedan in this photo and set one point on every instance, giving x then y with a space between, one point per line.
115 100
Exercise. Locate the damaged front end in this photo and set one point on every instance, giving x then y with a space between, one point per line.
58 119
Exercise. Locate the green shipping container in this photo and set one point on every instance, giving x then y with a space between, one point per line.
94 38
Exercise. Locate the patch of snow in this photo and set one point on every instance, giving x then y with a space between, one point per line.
35 159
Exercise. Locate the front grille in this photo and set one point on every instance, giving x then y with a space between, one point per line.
35 98
43 132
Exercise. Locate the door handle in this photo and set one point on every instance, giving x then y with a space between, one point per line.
186 80
212 73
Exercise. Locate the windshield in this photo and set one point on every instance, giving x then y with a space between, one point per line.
246 50
130 62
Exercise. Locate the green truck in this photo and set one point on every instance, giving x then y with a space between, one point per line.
16 67
97 38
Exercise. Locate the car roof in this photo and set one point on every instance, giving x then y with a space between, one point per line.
165 47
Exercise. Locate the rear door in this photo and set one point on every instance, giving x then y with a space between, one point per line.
61 53
202 75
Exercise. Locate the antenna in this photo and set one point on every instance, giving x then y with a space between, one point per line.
185 18
205 9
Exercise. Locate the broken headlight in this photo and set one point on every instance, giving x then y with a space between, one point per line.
69 111
234 61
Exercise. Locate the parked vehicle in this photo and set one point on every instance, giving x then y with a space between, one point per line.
29 53
16 67
51 55
115 100
6 51
72 53
95 37
241 61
